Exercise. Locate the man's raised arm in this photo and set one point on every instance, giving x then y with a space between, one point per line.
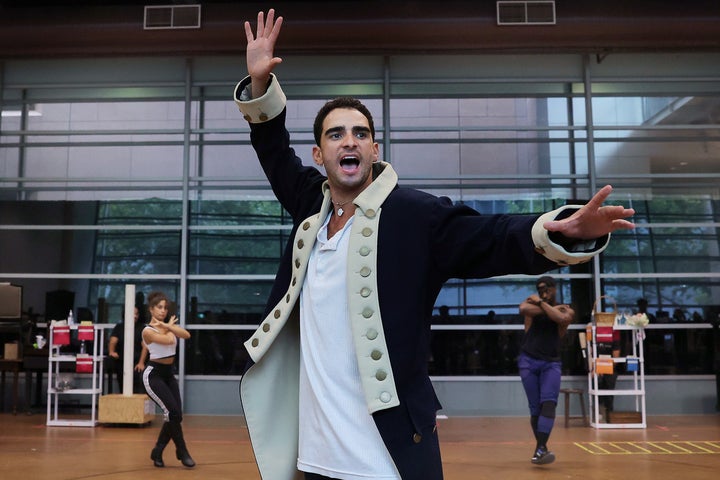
260 48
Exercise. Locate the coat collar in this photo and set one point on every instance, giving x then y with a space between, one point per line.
384 181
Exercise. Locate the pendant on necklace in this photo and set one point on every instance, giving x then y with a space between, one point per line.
340 211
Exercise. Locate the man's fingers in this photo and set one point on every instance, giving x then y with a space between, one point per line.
270 17
260 24
269 29
248 32
597 200
623 224
275 29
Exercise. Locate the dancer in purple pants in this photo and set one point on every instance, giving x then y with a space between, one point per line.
539 361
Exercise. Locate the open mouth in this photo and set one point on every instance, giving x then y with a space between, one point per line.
349 163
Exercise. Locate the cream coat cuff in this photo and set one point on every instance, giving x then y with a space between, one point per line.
262 109
583 252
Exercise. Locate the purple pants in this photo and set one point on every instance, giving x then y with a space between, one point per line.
541 381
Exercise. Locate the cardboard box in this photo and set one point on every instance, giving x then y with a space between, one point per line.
624 417
12 352
120 409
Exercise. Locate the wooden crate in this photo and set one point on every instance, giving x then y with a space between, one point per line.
624 417
131 409
11 352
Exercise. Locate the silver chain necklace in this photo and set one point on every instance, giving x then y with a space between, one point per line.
340 210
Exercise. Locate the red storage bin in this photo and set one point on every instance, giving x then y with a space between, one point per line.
83 364
604 334
86 332
60 335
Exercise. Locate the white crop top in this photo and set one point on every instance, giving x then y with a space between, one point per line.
158 350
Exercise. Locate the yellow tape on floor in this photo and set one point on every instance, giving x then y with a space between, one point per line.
651 448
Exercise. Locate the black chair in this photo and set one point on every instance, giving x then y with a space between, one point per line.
11 315
11 338
57 304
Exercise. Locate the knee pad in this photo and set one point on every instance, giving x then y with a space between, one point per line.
547 409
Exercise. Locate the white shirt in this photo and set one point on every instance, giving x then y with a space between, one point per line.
338 436
160 350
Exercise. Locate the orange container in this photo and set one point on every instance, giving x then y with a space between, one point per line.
604 366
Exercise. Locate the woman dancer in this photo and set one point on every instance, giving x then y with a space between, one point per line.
160 337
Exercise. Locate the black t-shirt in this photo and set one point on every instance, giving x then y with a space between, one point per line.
542 340
119 332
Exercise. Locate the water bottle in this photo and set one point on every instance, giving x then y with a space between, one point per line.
70 319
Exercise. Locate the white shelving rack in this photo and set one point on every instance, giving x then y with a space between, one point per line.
638 380
94 378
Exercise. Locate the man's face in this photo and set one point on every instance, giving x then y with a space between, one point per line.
347 151
546 292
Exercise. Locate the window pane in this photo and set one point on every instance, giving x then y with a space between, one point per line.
216 352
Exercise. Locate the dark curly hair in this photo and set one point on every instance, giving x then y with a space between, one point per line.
341 102
156 297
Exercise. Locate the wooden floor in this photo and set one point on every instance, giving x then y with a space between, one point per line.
474 448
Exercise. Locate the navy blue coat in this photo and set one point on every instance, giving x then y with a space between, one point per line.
422 241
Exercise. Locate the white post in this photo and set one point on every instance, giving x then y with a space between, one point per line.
128 343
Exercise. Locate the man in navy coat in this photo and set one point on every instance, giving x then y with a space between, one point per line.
338 384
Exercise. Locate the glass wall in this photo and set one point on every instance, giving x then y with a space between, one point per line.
141 171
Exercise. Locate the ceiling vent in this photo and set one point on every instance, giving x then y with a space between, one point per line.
158 17
526 13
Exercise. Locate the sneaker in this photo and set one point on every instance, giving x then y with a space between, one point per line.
542 456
